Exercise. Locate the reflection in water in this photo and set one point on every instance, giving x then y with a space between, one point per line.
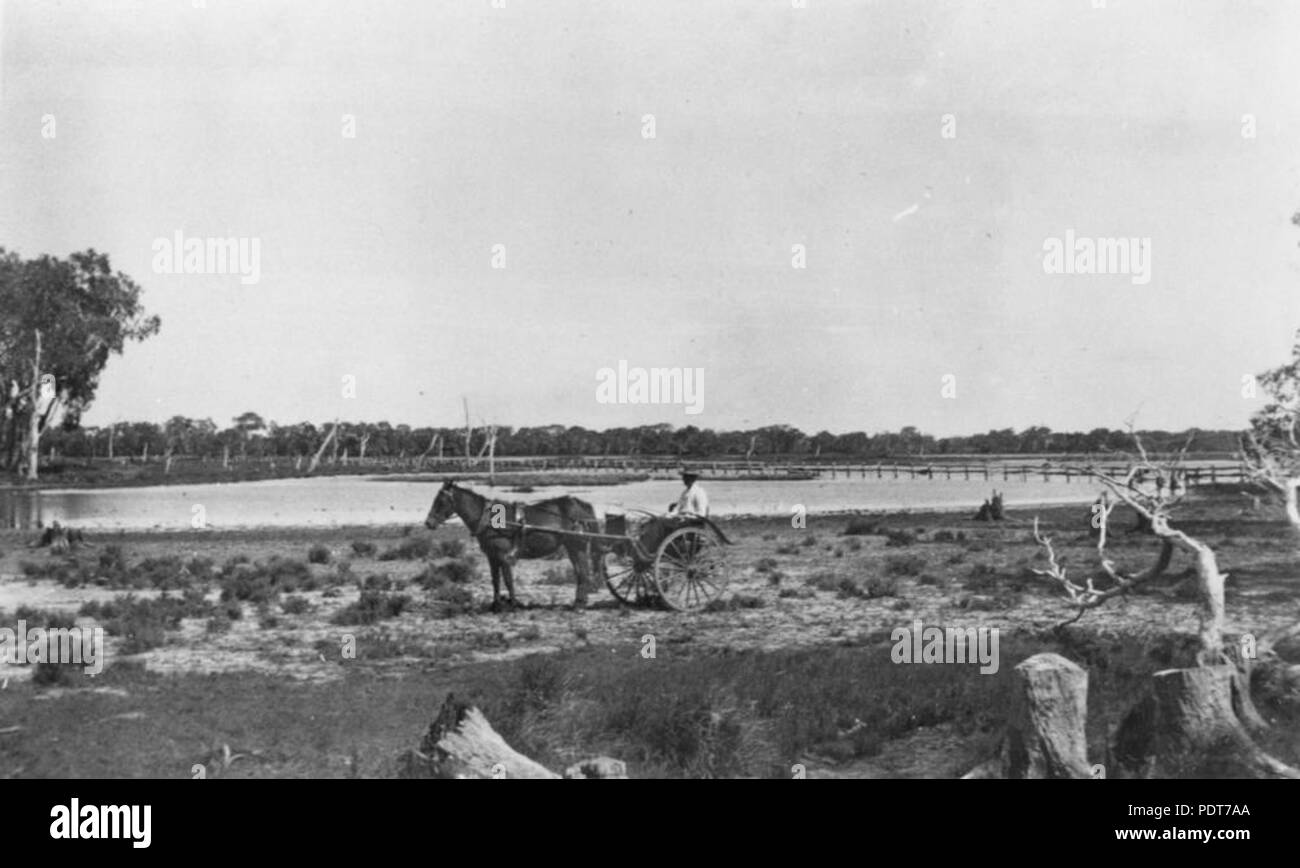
22 509
338 501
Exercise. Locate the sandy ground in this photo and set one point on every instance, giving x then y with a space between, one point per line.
308 646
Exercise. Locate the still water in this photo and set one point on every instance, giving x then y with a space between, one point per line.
357 500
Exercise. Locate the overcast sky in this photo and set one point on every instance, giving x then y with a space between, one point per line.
774 126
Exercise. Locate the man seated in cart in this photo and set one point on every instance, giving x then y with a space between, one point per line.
693 502
691 506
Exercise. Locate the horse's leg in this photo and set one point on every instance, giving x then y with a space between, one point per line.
494 563
508 570
576 558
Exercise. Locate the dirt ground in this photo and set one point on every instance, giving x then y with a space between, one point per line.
545 621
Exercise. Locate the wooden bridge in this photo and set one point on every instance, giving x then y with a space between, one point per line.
1202 473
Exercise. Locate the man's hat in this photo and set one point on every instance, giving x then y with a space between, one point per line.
690 473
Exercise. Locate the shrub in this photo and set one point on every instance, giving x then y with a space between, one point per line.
809 541
860 526
453 572
826 580
218 623
899 538
880 586
363 548
296 606
797 593
447 600
112 559
409 549
904 565
318 554
51 671
143 623
765 565
944 536
982 577
264 582
377 582
371 607
787 549
452 548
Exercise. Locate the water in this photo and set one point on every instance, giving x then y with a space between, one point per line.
340 501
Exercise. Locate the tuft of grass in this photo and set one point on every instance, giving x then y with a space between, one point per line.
735 601
558 574
318 554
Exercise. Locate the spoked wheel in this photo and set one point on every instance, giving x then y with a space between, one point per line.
628 582
690 568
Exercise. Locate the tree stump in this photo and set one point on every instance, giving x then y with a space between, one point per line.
1187 728
1045 725
461 744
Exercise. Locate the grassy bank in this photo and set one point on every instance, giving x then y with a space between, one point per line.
686 713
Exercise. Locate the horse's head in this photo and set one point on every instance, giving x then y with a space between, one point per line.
444 506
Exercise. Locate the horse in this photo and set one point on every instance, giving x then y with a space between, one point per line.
507 531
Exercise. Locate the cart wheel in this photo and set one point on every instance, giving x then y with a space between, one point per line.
690 568
627 582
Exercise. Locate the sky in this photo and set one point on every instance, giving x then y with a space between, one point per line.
922 154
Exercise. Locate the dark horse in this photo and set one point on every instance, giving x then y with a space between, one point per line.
506 531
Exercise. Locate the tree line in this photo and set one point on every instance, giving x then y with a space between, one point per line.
251 436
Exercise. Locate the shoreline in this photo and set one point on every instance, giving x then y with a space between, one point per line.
398 528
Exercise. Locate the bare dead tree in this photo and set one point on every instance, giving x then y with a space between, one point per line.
329 438
1270 450
1275 464
1191 712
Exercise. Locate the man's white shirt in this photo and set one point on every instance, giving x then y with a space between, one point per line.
693 502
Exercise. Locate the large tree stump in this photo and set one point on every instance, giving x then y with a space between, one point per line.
1045 725
461 744
1188 728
